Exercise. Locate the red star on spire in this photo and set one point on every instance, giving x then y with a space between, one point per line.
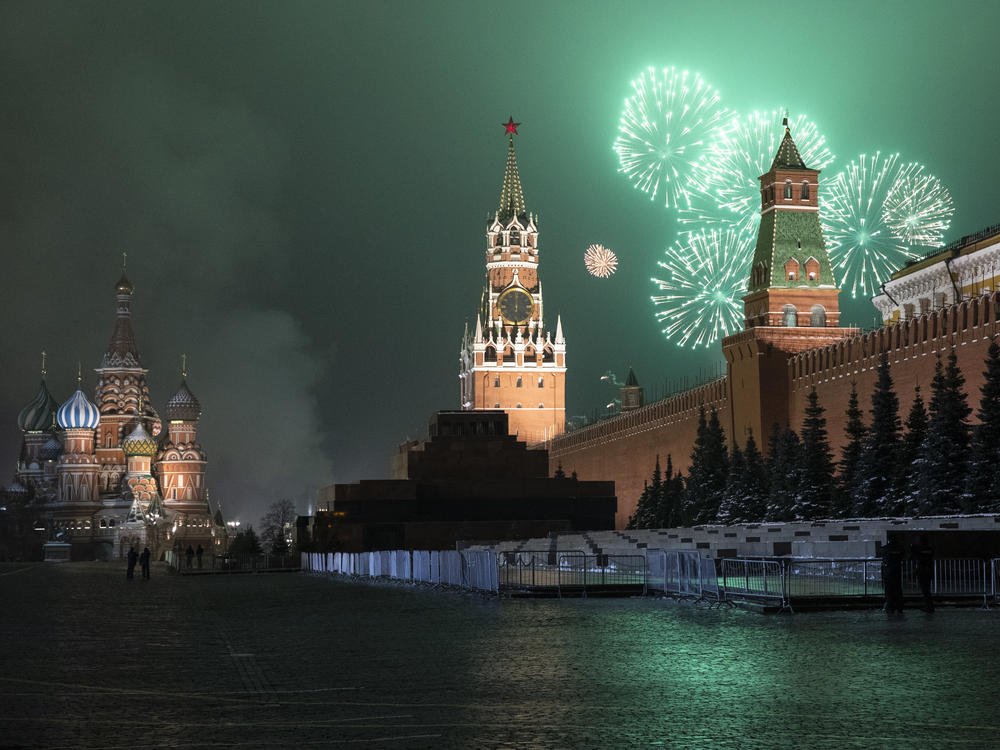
511 126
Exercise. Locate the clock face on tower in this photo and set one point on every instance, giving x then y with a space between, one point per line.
515 305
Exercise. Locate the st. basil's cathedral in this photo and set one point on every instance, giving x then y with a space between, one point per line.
106 476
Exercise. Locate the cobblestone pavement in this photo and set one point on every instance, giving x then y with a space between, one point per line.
280 660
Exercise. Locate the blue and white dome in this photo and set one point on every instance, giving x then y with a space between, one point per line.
78 413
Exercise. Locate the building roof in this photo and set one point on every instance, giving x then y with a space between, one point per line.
78 413
631 381
139 443
37 414
511 196
183 405
788 154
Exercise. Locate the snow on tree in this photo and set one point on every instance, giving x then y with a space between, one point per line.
983 483
709 467
875 476
785 471
944 454
816 493
907 482
854 431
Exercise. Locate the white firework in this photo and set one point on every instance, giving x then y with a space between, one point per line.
664 131
705 279
918 208
724 185
874 213
600 261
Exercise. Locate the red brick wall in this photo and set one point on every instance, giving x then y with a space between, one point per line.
624 448
912 348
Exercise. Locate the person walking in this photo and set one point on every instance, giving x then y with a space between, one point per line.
199 553
923 554
144 563
892 576
189 555
133 558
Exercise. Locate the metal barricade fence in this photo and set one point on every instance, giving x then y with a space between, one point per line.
834 577
754 579
547 569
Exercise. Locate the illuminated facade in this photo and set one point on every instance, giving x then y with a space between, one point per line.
511 361
104 475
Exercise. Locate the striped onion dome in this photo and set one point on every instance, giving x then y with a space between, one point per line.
139 443
78 413
37 415
51 449
183 405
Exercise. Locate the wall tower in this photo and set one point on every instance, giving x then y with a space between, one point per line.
792 301
511 361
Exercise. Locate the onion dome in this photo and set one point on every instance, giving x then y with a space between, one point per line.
51 449
183 405
139 443
78 413
37 415
124 286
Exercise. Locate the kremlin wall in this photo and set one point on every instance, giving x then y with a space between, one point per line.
946 301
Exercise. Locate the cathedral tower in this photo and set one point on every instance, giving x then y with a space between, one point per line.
181 466
121 388
511 361
78 468
792 300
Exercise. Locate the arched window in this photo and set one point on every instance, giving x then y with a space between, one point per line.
541 406
788 188
496 381
789 316
541 382
805 190
491 354
518 381
518 405
515 237
817 316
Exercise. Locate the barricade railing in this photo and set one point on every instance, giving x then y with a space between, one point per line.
754 578
474 570
570 570
244 563
683 573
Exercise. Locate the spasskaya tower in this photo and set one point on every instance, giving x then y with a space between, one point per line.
510 361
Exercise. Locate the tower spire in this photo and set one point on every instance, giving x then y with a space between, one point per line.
44 371
184 366
511 196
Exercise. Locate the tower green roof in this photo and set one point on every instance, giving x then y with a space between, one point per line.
511 197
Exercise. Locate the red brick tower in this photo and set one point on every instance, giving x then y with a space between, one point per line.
511 361
792 298
181 465
121 388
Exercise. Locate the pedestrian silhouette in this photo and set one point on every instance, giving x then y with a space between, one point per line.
144 563
190 555
923 554
199 553
132 558
892 576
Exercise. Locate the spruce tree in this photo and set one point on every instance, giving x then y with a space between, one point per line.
854 431
909 456
785 470
815 498
669 496
877 469
731 506
945 451
640 518
709 467
755 489
983 484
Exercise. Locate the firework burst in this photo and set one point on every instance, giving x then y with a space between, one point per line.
918 208
706 274
664 129
864 249
724 184
600 261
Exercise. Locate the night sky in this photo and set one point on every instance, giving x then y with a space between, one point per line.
302 190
